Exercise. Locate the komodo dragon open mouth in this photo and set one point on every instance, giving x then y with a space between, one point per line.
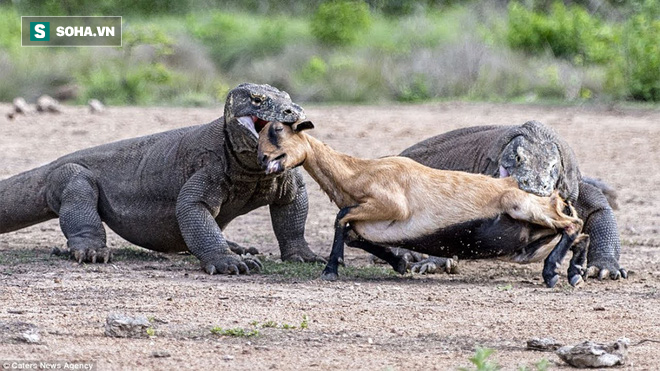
253 123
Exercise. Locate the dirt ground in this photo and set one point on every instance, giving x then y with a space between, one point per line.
374 321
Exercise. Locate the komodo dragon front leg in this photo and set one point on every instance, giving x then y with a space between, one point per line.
288 217
600 225
196 209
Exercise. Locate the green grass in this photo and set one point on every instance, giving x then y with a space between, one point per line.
481 362
304 324
11 257
234 332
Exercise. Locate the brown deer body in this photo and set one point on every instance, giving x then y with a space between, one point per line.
395 201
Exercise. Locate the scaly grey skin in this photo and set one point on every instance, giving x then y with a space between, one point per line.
541 162
171 191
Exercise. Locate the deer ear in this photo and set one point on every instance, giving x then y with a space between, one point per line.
305 125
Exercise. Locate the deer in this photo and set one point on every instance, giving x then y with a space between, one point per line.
397 202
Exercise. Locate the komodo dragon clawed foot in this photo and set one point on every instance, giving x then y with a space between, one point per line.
435 264
85 254
241 250
230 264
605 269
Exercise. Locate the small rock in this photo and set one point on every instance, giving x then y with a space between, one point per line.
21 106
118 325
160 354
590 354
95 106
30 336
46 103
19 332
227 357
543 344
370 340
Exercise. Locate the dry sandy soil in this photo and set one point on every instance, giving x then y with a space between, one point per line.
371 320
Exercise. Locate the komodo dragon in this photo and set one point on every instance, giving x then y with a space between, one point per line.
172 191
540 161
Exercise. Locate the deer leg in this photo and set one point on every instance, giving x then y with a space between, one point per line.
553 261
399 263
331 271
578 265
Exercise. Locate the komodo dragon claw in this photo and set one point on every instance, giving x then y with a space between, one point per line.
241 250
602 273
231 264
85 255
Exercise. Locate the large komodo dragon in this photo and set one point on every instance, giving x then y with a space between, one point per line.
541 162
172 191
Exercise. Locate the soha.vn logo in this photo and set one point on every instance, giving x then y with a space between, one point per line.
39 31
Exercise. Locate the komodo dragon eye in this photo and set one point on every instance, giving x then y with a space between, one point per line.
257 100
518 159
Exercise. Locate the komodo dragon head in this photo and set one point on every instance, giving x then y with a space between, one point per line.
253 106
534 155
534 164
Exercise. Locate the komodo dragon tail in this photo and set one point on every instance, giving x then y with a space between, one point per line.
23 200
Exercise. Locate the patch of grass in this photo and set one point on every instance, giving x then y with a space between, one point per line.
308 271
269 324
284 326
129 253
370 272
481 362
542 365
235 332
508 287
24 256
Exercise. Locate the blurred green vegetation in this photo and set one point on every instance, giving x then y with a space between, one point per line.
340 22
192 52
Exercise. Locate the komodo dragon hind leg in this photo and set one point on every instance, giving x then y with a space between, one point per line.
73 194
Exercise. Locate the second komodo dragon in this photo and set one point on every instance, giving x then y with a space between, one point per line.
172 191
541 162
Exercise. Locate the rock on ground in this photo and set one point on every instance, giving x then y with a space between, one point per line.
590 354
46 103
543 344
19 332
119 325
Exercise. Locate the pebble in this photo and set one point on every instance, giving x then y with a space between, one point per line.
119 325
